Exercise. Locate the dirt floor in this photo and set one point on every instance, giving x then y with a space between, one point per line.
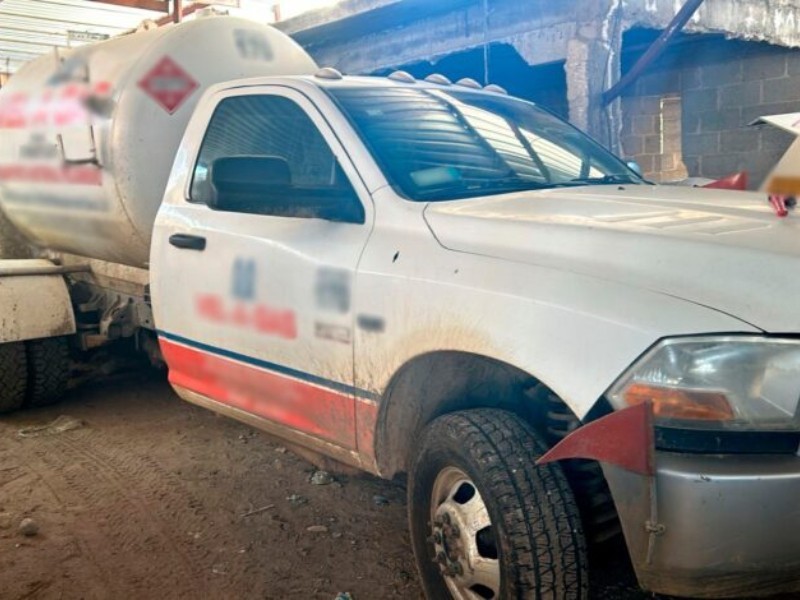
137 494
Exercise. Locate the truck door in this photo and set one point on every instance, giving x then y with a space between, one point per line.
253 266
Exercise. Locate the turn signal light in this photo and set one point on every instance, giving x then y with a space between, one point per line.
672 403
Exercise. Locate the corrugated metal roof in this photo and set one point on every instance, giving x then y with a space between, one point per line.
29 28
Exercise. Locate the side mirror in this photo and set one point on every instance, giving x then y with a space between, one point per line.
247 183
262 185
635 167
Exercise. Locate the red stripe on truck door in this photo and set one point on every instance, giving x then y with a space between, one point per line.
306 407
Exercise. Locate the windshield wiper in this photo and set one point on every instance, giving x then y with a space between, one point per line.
486 187
506 184
603 180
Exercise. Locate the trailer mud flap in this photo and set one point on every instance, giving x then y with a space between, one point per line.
33 305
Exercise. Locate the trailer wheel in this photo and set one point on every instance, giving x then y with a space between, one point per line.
13 376
48 370
485 521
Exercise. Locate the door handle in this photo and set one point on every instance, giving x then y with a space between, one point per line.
188 241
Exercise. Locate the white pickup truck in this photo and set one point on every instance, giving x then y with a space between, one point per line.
440 280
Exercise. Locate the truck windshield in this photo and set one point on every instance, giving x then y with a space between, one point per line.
445 145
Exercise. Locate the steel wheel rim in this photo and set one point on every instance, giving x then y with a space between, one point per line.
463 538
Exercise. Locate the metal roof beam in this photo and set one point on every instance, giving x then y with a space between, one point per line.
18 55
10 42
28 30
54 27
60 20
154 5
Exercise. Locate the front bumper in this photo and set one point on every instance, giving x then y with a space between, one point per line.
725 526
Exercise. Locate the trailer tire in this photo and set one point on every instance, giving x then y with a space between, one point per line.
48 370
13 376
485 521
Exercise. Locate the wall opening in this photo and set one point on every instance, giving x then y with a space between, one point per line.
544 84
652 135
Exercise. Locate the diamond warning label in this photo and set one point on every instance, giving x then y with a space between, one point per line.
168 84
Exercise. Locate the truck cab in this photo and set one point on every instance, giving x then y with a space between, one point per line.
435 279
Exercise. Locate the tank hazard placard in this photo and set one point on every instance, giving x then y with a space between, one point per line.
168 84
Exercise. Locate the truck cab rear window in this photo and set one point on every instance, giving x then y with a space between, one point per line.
272 130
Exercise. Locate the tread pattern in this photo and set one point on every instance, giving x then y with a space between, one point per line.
542 537
13 376
48 370
592 494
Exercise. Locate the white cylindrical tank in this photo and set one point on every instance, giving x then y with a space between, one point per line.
88 137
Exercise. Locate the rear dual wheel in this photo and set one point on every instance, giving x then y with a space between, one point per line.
48 370
33 373
13 376
486 523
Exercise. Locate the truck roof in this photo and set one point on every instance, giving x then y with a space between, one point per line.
330 78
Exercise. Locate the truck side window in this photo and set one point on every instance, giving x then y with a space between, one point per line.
264 155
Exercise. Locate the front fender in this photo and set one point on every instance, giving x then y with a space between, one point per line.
573 333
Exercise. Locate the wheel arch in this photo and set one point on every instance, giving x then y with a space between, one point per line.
439 382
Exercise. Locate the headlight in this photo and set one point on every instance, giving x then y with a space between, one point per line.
741 383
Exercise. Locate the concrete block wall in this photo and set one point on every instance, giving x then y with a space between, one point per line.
651 135
721 86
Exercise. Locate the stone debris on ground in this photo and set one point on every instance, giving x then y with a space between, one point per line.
321 478
317 529
59 425
297 500
28 527
256 511
379 500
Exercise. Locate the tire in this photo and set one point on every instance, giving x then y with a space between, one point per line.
516 522
48 370
13 376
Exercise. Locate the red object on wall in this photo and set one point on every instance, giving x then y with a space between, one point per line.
624 438
737 181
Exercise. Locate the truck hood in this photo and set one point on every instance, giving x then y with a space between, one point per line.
724 250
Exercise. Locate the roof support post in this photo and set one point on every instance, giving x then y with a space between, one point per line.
677 24
592 60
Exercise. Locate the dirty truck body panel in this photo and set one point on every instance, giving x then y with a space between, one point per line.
301 325
268 330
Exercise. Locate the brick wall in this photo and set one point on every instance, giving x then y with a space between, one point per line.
720 87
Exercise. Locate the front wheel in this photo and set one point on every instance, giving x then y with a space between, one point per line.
486 523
